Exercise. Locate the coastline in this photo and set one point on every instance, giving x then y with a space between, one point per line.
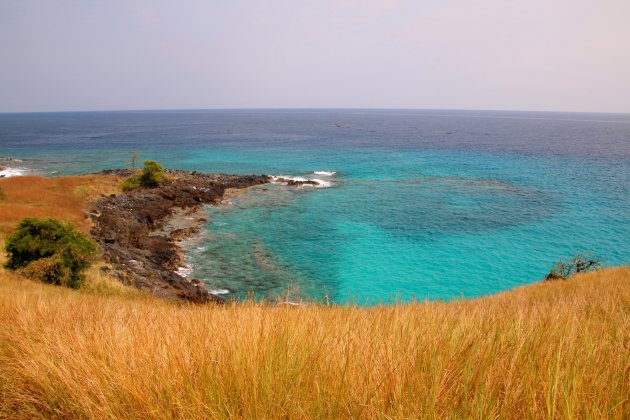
8 168
139 231
233 192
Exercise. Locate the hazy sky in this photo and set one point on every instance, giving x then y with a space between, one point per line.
565 55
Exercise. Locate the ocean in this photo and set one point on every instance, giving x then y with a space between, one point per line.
412 205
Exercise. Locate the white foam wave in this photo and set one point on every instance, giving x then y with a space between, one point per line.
276 178
322 183
9 172
325 173
184 271
220 292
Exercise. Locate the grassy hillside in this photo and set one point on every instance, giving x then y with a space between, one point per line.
553 350
549 350
65 198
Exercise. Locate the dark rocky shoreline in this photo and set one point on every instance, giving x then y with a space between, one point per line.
134 234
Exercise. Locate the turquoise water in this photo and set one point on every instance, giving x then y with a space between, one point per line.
442 225
422 204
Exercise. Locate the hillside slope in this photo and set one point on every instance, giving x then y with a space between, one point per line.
553 350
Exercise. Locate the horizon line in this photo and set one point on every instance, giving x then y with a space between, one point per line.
310 109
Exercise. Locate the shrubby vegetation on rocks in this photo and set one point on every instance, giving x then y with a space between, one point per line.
151 176
50 251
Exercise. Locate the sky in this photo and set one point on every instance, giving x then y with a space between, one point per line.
547 55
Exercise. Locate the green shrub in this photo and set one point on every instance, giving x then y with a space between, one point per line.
580 263
151 176
131 183
50 251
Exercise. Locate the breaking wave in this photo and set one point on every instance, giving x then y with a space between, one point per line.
282 179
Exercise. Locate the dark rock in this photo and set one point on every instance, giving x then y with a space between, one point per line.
181 234
294 183
117 172
129 226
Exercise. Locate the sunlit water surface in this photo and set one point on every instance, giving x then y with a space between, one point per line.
425 204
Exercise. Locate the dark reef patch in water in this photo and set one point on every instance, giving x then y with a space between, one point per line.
448 205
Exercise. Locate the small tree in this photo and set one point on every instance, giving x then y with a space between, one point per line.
580 263
50 251
152 175
134 160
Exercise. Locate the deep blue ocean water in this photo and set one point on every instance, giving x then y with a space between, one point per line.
425 204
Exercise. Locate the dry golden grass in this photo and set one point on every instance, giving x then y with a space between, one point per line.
65 198
549 350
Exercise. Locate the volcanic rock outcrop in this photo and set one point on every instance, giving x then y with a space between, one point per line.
134 231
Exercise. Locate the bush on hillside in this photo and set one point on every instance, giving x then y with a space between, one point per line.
131 183
580 263
50 251
151 176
